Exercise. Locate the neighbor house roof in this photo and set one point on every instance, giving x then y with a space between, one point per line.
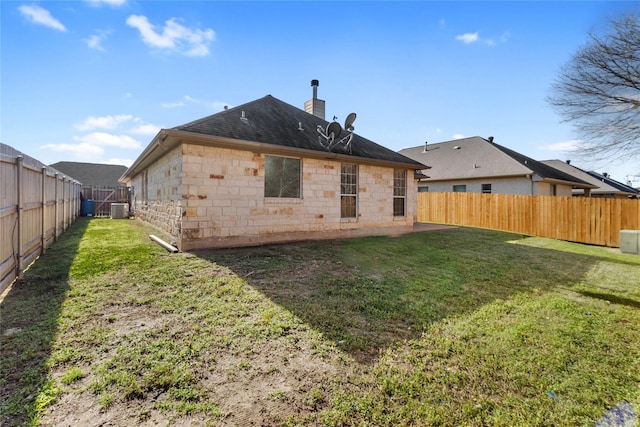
92 174
476 157
269 125
605 184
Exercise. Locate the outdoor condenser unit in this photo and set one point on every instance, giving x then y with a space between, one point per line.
119 210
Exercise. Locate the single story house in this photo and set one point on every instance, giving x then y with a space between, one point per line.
92 174
268 172
100 184
607 187
479 165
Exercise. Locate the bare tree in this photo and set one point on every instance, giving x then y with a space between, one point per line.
598 91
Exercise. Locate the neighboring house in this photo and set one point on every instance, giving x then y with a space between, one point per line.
262 172
99 185
478 165
92 174
607 187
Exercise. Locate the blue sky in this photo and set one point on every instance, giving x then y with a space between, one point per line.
94 81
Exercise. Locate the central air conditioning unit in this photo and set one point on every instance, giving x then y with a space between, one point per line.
119 210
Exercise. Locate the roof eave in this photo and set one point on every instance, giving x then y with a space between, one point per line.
572 183
168 139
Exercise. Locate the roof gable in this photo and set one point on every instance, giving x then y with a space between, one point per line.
271 121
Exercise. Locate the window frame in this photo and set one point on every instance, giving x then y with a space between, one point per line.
399 186
460 188
351 194
282 186
486 188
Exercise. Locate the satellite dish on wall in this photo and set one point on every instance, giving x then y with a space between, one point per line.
348 123
335 129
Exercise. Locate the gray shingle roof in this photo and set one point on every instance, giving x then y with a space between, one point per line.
92 174
271 121
606 184
605 180
476 157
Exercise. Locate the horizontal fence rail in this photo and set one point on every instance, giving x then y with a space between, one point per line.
37 204
104 196
591 220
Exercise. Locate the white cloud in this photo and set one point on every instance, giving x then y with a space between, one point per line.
146 129
41 16
115 161
215 105
174 36
173 104
566 146
468 38
104 122
442 22
458 136
108 139
95 41
99 3
83 149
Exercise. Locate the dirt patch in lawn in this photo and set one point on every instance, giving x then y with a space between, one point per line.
238 357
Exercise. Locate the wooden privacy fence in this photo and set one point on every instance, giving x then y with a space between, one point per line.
37 204
590 220
104 196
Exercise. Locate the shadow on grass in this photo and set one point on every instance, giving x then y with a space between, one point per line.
29 313
366 294
614 299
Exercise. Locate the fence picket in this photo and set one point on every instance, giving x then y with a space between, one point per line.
590 220
36 205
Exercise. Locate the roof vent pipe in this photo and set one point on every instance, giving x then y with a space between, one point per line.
315 84
490 139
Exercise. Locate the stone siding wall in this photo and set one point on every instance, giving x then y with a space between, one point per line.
224 205
156 197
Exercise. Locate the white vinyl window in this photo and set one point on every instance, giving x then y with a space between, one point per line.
399 191
348 191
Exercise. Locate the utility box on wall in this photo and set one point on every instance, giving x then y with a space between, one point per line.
630 241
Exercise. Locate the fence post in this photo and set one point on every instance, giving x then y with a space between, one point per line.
44 207
55 208
64 204
19 164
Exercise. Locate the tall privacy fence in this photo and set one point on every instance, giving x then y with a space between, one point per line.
37 204
103 197
590 220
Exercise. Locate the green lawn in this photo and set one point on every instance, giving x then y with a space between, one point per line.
453 327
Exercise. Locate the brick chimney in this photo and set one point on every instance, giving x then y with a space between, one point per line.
315 106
